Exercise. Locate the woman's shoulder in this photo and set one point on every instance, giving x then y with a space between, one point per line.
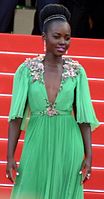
73 66
74 63
34 63
29 64
35 67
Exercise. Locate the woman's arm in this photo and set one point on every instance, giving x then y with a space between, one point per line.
86 136
13 136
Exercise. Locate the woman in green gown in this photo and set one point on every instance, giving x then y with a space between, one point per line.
54 91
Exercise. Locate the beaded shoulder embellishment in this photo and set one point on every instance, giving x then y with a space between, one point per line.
36 67
71 68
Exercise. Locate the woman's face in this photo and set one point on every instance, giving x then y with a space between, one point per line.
58 38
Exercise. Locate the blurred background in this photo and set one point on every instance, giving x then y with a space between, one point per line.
24 17
21 17
17 16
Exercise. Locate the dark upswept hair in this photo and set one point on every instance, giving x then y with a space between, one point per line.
52 9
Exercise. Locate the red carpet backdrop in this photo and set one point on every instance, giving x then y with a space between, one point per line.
90 53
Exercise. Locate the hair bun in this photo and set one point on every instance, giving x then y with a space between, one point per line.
53 9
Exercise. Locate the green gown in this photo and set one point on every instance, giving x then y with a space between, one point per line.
53 148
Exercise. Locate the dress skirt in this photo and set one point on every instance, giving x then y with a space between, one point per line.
51 160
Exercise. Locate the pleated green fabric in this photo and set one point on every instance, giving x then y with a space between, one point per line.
85 111
53 149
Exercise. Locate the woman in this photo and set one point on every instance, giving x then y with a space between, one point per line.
57 144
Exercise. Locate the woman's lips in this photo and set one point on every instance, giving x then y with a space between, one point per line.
60 49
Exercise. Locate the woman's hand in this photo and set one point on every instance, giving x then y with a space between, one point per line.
13 136
11 165
86 169
87 141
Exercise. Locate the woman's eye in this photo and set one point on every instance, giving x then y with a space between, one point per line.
56 36
67 38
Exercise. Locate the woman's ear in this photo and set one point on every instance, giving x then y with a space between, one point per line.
44 40
44 36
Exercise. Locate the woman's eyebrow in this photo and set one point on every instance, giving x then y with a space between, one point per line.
67 34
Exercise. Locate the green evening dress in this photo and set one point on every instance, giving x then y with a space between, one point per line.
53 148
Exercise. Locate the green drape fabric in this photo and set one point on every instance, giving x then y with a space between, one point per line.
53 149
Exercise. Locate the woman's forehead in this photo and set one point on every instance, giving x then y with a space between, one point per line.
59 26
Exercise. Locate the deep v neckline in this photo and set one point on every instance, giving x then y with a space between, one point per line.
58 90
71 69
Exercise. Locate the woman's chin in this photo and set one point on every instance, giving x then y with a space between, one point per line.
60 53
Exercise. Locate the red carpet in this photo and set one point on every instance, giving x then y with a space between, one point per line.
90 53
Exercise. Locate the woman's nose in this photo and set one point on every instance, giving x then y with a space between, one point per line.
62 41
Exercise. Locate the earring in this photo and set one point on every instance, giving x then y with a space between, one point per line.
44 46
66 52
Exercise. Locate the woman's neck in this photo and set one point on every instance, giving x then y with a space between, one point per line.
52 60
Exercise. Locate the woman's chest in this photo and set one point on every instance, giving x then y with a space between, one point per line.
52 82
38 93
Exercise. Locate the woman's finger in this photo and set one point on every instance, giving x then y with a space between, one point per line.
82 167
86 176
85 171
16 168
9 171
9 175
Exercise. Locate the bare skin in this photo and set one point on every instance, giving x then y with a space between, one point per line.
57 42
13 136
87 162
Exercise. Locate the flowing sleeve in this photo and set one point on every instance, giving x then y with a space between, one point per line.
85 110
18 108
